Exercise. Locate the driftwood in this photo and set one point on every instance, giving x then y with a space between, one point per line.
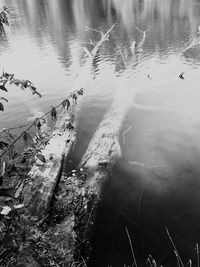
44 176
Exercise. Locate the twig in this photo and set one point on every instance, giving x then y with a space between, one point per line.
191 45
175 249
125 132
134 259
177 258
92 29
138 164
84 261
133 48
103 39
123 58
87 52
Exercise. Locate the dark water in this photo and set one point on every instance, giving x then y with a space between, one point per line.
156 182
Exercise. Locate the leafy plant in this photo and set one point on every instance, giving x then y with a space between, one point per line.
3 18
8 79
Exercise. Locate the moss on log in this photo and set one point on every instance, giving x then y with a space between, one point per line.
43 176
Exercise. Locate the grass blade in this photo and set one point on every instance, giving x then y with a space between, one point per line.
175 249
197 250
134 259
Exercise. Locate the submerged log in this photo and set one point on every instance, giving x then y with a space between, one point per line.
80 194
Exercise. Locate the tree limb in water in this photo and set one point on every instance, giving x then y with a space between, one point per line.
43 178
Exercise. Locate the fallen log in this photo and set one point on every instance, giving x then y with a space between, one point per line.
44 174
80 193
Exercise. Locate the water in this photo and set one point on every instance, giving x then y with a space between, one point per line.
156 182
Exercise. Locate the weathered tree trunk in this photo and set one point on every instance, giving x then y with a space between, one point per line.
81 193
43 176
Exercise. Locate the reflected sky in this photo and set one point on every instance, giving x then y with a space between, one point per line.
45 39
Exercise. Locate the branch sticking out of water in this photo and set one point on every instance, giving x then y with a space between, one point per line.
104 37
196 42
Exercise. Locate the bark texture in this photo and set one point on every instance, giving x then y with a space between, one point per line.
43 177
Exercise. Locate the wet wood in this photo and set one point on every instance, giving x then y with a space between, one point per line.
43 176
81 192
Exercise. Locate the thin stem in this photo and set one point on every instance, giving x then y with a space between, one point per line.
197 249
175 249
134 259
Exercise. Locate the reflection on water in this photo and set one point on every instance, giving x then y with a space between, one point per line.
45 45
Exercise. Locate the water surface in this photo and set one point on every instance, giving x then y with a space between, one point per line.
156 182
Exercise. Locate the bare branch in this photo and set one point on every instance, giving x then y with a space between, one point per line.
87 52
194 43
142 41
125 132
89 43
133 47
103 39
123 58
92 29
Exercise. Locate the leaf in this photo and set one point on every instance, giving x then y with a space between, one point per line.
37 93
3 144
6 210
53 113
24 83
3 98
5 199
70 126
65 103
19 189
80 92
1 107
39 125
74 97
6 75
3 81
16 82
33 88
41 157
12 152
27 138
2 87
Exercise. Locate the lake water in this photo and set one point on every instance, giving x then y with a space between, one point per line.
156 183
